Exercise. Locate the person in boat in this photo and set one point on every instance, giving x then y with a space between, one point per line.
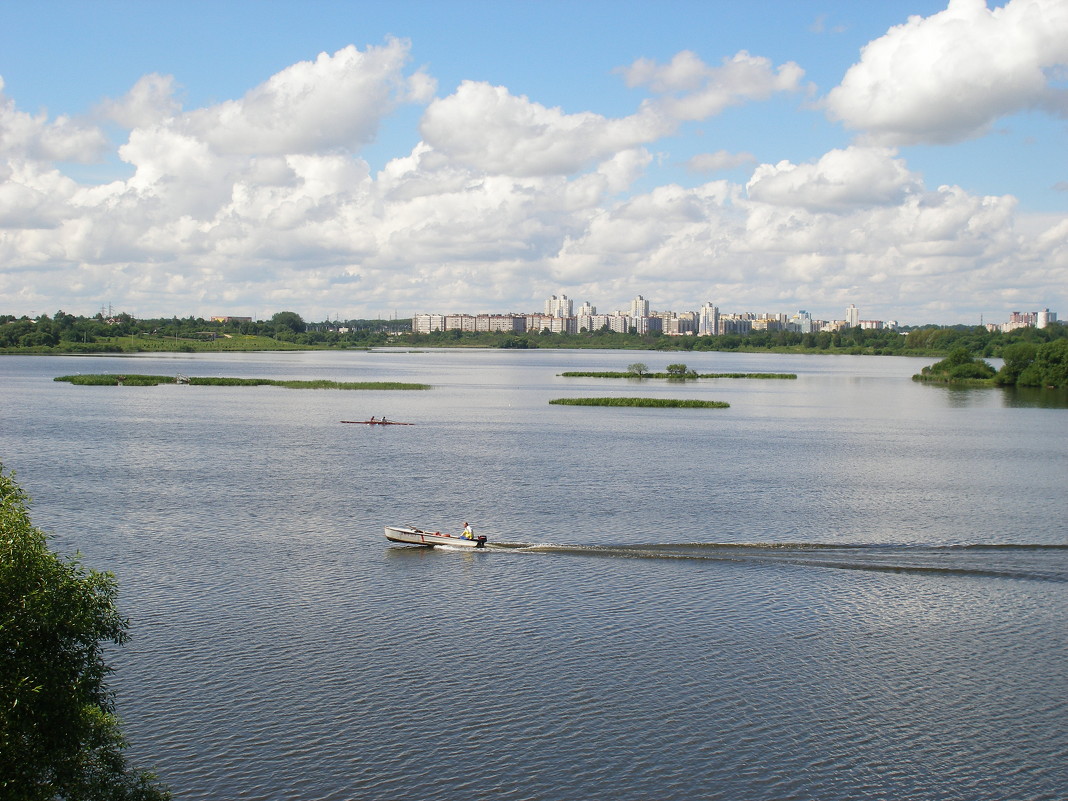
372 418
468 533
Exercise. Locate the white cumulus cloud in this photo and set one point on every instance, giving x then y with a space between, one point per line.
490 129
689 89
841 179
32 136
948 77
335 101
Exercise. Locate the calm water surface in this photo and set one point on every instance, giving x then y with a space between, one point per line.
843 586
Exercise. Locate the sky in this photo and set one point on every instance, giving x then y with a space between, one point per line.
376 160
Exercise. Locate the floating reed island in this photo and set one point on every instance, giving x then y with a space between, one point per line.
677 376
133 380
659 403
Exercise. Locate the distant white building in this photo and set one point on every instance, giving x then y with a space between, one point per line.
559 306
852 316
708 321
639 307
426 323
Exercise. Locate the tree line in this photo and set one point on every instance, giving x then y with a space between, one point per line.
101 333
122 332
920 341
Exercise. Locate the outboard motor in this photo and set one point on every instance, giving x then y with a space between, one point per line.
480 541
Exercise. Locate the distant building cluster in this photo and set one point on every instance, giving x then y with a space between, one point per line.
559 317
1024 320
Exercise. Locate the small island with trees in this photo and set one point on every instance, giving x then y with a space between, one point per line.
673 372
1025 365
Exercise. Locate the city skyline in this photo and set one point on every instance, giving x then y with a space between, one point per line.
368 160
559 316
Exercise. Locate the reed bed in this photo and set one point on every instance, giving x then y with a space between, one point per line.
113 379
676 375
662 403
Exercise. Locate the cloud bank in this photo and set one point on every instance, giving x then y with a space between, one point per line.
266 202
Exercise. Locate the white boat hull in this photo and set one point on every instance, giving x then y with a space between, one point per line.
415 536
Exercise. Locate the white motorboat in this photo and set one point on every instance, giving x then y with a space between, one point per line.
409 535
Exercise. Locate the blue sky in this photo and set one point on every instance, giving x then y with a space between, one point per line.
364 159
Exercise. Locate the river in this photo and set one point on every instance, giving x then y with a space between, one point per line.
848 585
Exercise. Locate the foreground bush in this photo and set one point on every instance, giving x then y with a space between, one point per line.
59 737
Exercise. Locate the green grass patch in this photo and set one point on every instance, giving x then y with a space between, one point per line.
133 380
660 403
675 376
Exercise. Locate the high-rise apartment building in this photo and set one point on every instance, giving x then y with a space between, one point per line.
852 316
559 306
708 321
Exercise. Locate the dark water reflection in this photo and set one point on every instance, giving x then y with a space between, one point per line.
844 586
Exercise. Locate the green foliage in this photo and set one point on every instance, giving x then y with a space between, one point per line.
111 379
642 402
749 375
120 333
287 322
638 369
1018 357
1050 368
65 333
959 367
59 736
1030 365
680 371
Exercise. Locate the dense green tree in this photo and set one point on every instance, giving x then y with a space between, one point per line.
59 737
958 365
1018 357
288 322
638 368
1050 367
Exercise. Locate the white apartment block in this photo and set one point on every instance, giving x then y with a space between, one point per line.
708 321
427 323
639 307
501 322
559 306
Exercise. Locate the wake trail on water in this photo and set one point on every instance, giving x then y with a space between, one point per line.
1033 562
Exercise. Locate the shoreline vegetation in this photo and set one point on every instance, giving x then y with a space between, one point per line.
111 380
1025 365
122 333
658 403
1033 357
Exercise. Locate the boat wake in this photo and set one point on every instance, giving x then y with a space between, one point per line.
1015 561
